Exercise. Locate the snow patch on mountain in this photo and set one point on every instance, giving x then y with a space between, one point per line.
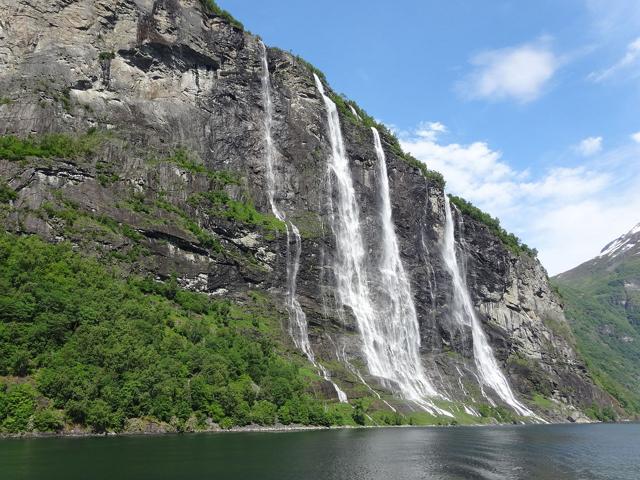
622 244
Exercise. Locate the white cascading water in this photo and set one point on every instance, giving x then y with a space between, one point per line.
396 311
297 317
390 344
464 314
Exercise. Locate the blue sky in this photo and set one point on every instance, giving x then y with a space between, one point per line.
531 110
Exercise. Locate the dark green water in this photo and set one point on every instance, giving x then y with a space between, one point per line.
554 452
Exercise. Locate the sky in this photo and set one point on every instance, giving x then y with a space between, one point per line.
531 110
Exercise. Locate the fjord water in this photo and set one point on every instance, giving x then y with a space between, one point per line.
464 314
298 328
390 347
540 452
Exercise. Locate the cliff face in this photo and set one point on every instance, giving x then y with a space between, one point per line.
170 179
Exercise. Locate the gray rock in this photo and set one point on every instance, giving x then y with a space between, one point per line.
156 76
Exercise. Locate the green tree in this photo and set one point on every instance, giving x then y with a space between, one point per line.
19 406
359 412
264 412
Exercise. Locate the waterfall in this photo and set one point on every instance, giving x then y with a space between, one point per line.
297 318
270 150
464 315
390 335
397 318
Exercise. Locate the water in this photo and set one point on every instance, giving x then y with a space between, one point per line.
390 345
270 149
398 322
540 452
464 314
297 318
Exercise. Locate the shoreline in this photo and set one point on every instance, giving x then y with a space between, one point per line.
264 429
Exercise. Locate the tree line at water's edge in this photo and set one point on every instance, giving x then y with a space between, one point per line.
80 344
86 346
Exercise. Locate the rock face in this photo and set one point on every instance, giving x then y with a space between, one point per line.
171 180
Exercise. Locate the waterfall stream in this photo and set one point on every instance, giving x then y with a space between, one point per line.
396 311
388 328
297 318
464 314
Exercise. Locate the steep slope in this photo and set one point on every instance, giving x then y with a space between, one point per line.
160 137
602 299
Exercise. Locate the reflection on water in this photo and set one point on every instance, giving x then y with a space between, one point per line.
541 452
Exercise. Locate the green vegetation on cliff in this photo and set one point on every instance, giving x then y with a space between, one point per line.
509 240
81 344
59 145
212 7
345 106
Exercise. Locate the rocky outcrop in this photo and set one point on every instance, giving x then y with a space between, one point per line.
164 174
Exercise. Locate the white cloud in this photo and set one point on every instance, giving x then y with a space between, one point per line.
520 73
430 130
568 213
636 137
630 58
590 146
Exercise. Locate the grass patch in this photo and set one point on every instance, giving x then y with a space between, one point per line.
53 145
93 226
542 401
220 204
205 239
183 159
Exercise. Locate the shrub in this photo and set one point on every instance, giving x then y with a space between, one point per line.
7 194
18 406
226 423
604 414
47 420
105 56
358 414
99 416
264 412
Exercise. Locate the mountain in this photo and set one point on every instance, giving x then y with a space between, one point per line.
602 300
299 266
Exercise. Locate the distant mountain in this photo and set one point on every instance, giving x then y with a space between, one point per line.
617 252
602 300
